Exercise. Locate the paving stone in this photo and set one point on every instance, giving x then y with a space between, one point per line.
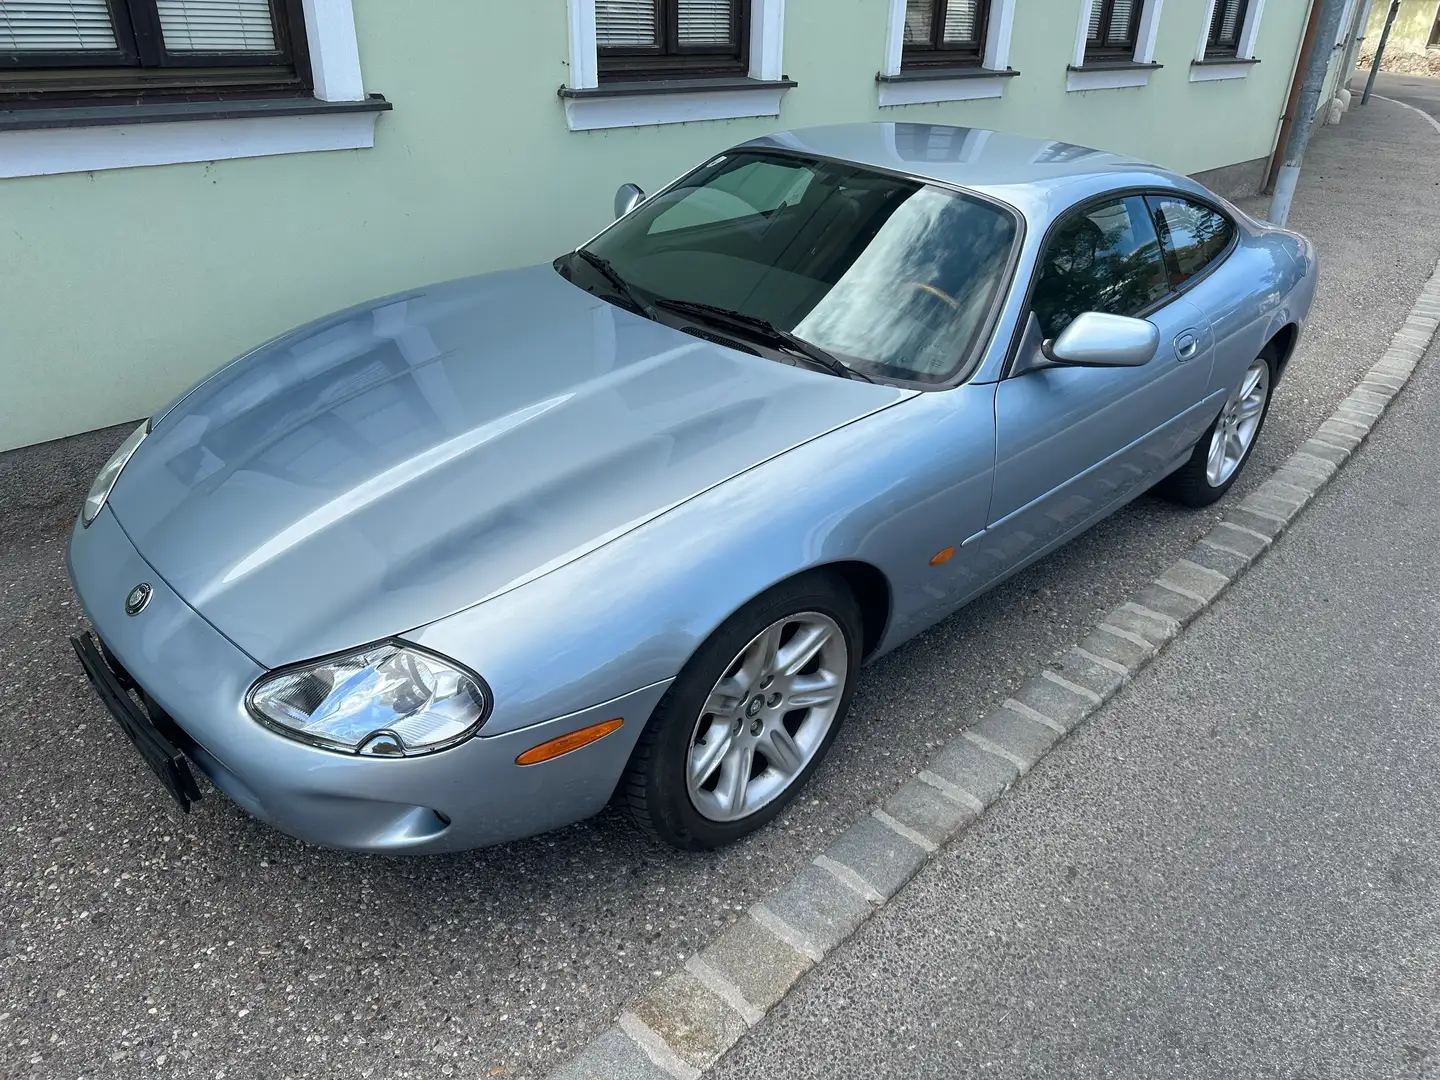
613 1055
1023 738
1341 434
1237 536
1308 465
1100 678
1221 559
928 812
880 855
1263 524
1283 508
1188 576
1169 602
1359 417
819 908
756 962
695 1024
1363 395
966 766
1281 492
1065 707
1336 455
1120 649
1156 631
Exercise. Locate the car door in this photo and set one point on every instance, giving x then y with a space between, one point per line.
1074 442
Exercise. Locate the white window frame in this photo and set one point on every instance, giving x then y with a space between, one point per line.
584 112
1097 78
971 86
1213 70
334 62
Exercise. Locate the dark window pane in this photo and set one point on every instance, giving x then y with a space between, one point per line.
1225 25
1101 258
626 23
228 26
1122 16
919 21
890 274
1193 235
962 23
706 22
55 26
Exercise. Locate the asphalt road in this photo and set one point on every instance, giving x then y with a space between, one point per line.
1416 90
1231 870
137 943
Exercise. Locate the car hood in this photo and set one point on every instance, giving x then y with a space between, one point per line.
397 462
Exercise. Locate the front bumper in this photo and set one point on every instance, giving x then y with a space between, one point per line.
471 795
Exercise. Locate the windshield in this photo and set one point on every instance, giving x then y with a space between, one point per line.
894 277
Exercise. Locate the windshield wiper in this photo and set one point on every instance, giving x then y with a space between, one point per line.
624 288
766 329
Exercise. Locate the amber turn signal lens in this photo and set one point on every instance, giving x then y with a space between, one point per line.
941 556
566 743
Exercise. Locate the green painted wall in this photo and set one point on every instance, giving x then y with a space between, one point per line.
120 288
1413 24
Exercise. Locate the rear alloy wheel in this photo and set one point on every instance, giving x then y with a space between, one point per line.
750 717
1222 452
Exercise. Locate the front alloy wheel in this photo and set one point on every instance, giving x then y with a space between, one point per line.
767 716
749 718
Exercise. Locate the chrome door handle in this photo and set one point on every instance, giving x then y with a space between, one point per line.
1187 344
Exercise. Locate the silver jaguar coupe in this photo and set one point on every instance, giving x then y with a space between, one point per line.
470 562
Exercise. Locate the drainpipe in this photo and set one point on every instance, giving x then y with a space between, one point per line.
1287 121
1306 103
1380 51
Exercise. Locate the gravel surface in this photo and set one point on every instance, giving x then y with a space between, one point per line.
129 935
1231 870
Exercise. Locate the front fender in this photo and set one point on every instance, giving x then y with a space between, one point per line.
884 490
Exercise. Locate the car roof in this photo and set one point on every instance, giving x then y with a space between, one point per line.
1036 175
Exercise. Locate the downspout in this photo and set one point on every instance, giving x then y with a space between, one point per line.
1287 121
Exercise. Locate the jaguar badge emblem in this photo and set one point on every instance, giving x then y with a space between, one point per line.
138 598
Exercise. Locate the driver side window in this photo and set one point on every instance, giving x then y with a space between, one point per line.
1102 257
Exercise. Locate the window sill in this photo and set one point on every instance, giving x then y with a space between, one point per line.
44 141
1214 68
1109 75
920 86
670 101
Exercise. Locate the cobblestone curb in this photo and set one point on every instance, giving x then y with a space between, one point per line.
682 1026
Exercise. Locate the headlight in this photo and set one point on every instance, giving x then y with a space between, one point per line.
100 489
384 700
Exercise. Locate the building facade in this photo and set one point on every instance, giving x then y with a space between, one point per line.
183 179
1416 28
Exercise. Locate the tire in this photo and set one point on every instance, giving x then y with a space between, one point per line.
664 800
1194 483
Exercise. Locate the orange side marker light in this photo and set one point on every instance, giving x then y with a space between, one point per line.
566 743
942 556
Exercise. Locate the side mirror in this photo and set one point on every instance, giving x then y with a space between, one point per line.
627 198
1095 339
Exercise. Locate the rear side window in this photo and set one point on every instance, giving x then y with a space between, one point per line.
1103 257
1193 234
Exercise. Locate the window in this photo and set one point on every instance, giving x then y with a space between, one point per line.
1226 24
1104 257
1193 236
1114 29
57 50
944 32
895 277
670 39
